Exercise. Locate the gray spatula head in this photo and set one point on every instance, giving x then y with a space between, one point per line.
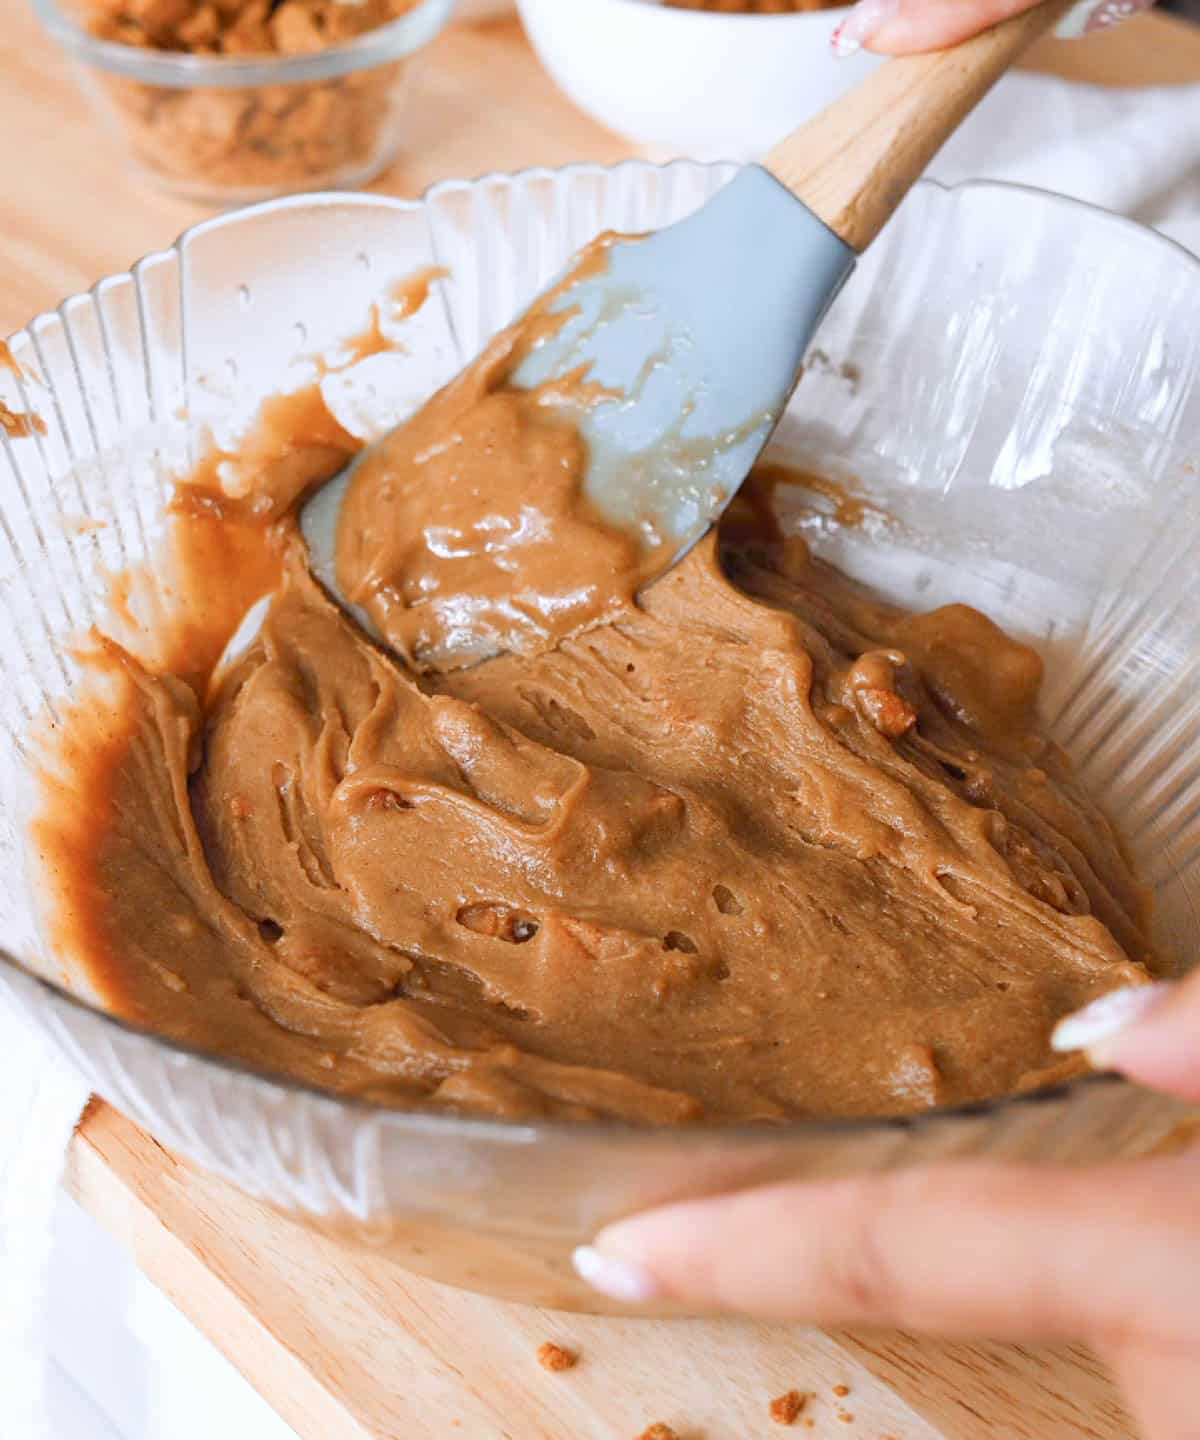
701 328
698 331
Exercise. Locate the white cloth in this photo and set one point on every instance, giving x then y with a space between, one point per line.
1133 151
41 1098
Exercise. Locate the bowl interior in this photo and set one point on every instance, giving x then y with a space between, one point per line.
1010 376
1031 429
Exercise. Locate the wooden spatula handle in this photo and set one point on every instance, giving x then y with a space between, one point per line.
854 162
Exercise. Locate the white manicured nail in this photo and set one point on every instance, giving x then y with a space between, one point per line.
618 1279
1104 1019
860 24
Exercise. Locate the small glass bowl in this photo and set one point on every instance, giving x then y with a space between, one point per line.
1014 376
228 130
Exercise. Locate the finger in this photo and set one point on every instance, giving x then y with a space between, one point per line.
958 1249
903 27
1149 1032
906 27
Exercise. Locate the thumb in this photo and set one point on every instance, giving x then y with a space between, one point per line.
965 1249
906 27
1149 1032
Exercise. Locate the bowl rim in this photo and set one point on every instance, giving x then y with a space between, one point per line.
724 18
431 1121
177 70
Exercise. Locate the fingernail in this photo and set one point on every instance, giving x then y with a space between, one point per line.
1097 1024
618 1279
860 24
1093 15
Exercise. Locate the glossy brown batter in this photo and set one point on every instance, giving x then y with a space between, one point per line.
467 532
754 845
19 426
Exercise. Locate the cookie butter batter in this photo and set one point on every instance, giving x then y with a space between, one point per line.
749 846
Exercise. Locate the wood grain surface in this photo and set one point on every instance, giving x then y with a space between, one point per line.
351 1348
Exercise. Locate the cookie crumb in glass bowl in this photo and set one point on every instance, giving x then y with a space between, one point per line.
232 27
231 102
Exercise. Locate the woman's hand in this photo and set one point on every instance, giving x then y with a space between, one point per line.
904 27
1109 1256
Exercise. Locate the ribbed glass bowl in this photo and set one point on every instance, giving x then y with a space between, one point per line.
1012 375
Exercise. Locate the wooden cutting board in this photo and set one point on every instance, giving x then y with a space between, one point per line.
349 1347
353 1349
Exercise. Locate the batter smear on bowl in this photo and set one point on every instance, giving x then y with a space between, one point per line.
750 845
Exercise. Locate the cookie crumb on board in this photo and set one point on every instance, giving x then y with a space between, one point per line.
658 1431
841 1390
785 1408
555 1357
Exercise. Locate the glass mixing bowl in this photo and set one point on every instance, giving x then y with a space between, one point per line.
1012 375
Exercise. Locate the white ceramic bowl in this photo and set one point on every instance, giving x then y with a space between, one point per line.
1013 375
689 81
